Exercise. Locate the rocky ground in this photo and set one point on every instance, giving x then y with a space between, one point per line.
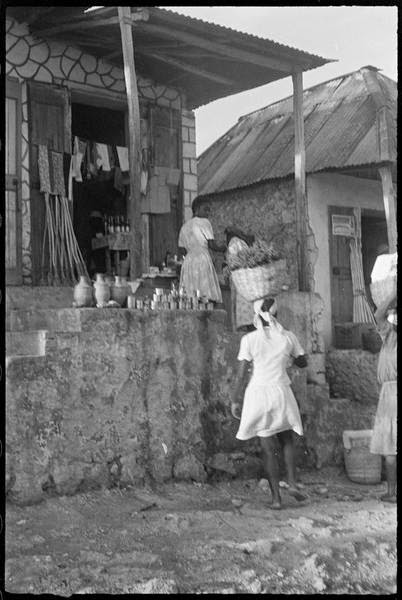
220 537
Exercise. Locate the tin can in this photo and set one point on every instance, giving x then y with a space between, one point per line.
140 304
181 304
130 301
172 305
153 305
210 306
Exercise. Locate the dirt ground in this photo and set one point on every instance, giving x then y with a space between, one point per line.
206 538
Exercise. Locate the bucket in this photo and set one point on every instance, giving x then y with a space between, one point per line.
361 466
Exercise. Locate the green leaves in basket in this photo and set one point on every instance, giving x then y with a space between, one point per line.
260 253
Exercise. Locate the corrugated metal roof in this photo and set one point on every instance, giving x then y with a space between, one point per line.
340 126
204 60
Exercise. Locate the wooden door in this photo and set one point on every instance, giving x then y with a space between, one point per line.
13 238
164 229
341 276
49 124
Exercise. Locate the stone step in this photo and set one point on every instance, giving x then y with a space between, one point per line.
26 343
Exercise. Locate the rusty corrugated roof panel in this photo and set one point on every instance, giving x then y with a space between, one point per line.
341 131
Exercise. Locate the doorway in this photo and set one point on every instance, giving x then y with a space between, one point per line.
99 198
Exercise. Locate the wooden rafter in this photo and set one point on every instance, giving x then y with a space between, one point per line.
270 62
191 69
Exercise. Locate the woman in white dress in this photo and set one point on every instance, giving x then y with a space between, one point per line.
242 310
269 409
196 239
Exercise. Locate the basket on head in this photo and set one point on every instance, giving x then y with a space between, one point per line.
265 280
383 277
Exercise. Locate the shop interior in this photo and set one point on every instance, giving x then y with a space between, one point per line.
100 199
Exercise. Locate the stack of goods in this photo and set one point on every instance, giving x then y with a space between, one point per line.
383 277
258 271
172 300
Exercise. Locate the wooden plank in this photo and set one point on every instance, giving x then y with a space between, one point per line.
300 181
191 68
389 197
134 152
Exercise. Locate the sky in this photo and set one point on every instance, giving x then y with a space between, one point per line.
355 36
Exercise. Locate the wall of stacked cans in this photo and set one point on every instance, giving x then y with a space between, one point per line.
29 58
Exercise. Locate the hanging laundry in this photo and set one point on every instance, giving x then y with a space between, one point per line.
78 155
144 182
102 156
122 153
118 180
66 170
57 173
44 172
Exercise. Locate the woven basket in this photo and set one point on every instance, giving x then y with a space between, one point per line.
381 289
362 466
258 282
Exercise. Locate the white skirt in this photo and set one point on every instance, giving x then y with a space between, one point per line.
268 409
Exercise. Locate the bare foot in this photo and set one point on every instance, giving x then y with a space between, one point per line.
388 498
292 491
275 506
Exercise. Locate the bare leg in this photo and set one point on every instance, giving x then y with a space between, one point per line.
270 451
287 443
390 469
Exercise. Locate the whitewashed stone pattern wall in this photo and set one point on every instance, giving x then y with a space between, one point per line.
29 58
190 180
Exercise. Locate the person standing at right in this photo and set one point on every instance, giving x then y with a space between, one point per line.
383 440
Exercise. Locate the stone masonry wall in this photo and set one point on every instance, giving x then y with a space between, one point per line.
266 210
353 374
32 59
190 180
122 396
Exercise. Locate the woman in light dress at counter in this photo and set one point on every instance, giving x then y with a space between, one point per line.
196 239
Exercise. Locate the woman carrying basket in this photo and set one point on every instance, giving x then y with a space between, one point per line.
383 440
269 410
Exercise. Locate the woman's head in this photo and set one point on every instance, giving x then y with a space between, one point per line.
232 231
200 209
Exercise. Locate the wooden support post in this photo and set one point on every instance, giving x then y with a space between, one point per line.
300 181
134 145
389 206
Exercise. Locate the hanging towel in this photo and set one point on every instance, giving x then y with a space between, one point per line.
122 153
44 172
118 180
57 173
66 169
78 155
102 156
144 182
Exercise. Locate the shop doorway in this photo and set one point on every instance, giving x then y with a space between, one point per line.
101 197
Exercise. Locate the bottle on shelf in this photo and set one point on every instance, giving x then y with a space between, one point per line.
117 224
111 225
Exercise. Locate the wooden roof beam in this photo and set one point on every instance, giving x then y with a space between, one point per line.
90 23
191 69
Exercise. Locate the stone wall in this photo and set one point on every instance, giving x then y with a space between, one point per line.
353 374
121 396
266 210
190 179
32 59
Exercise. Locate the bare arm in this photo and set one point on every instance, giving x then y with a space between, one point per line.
212 245
240 384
